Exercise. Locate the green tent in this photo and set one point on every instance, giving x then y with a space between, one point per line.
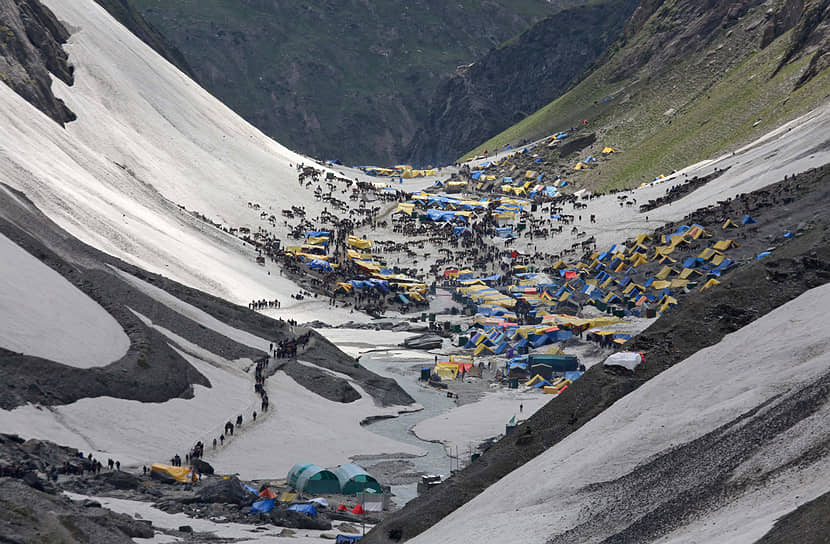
353 479
310 478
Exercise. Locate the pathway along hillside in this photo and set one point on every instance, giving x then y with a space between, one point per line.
701 320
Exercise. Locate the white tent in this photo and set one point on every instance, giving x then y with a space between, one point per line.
625 359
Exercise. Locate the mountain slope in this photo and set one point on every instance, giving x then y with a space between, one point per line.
336 80
686 83
127 15
515 79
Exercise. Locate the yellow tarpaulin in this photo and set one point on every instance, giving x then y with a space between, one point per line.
181 474
354 241
288 497
406 207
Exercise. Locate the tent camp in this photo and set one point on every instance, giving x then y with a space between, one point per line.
353 479
310 478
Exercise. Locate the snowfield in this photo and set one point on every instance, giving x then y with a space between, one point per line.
469 425
773 356
43 315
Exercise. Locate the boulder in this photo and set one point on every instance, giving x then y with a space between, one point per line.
202 467
297 520
119 479
228 491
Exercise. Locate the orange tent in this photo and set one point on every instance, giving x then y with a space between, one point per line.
268 493
358 509
342 508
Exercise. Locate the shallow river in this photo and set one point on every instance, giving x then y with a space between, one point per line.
397 365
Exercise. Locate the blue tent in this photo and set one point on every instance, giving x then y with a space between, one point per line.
540 384
347 539
507 180
476 175
304 508
262 507
316 233
540 159
747 220
320 264
403 298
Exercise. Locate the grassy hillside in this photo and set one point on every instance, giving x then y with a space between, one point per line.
346 80
677 110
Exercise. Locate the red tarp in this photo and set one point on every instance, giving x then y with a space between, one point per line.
358 509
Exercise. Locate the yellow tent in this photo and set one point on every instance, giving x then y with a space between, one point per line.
553 350
709 284
354 241
580 166
665 272
406 207
723 245
287 497
608 150
638 259
729 224
687 272
316 240
534 380
181 474
446 371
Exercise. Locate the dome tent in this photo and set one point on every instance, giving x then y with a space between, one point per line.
310 478
353 479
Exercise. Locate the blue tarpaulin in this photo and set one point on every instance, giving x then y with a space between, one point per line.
304 508
262 507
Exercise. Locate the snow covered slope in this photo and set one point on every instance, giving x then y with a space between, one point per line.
723 437
146 141
44 315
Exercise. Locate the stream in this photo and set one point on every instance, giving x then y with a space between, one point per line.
398 365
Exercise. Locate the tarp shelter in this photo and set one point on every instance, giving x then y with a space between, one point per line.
310 478
181 474
625 359
353 479
320 502
359 243
304 508
262 507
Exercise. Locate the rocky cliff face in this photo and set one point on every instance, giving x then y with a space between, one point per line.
30 49
516 79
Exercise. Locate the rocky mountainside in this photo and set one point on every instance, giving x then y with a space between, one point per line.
151 370
336 80
515 79
688 80
30 50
